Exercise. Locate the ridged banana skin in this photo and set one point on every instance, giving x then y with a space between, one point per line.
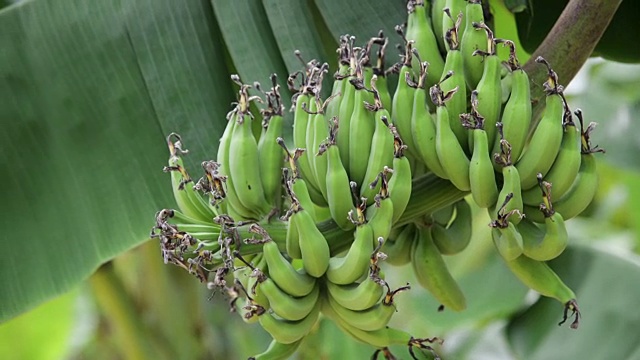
361 131
347 105
516 116
508 242
351 267
383 89
244 168
473 40
420 30
544 242
490 96
313 246
540 153
402 109
458 103
286 331
319 163
337 92
278 351
293 282
271 161
381 155
356 296
292 240
371 319
432 273
511 184
301 191
452 157
455 238
436 21
564 169
538 276
398 248
300 126
339 196
482 178
380 219
379 338
188 199
400 186
423 129
287 306
455 7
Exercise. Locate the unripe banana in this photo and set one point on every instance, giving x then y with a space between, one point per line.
403 98
381 154
473 39
285 305
292 240
506 237
253 280
380 214
454 237
379 71
357 296
277 351
269 152
339 79
337 181
545 142
420 31
516 116
456 8
489 89
437 7
511 181
546 242
187 198
361 129
457 105
292 281
398 247
286 331
423 127
452 157
432 273
482 179
314 248
347 104
400 183
244 160
565 168
539 277
349 268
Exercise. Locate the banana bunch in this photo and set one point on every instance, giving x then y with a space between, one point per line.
292 229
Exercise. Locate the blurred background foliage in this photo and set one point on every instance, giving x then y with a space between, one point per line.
88 94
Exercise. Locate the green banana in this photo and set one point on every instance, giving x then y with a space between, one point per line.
511 180
432 273
516 116
453 238
506 237
244 160
287 331
452 157
457 105
380 214
437 7
398 247
293 282
400 182
565 167
403 98
473 40
371 319
187 198
543 146
455 9
381 153
482 179
269 152
285 305
423 127
489 89
538 276
420 31
313 246
546 242
379 71
357 296
253 280
292 240
361 129
337 181
347 104
278 351
349 268
339 79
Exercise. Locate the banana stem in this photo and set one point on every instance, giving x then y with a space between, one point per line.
120 310
569 43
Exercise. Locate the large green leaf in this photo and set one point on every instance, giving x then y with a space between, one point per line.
608 289
89 93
